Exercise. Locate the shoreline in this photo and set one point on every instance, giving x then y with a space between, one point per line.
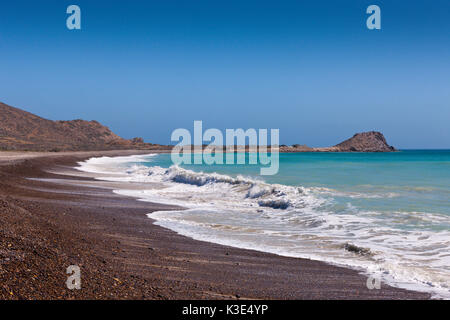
124 255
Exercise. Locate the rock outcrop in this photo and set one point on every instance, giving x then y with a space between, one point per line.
371 141
21 130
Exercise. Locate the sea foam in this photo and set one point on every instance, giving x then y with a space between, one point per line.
293 221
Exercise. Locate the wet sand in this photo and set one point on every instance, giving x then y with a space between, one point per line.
52 221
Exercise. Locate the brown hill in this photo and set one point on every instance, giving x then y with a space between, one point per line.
371 141
21 130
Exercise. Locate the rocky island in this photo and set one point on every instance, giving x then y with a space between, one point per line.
371 141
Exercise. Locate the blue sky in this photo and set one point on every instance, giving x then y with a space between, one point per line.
310 68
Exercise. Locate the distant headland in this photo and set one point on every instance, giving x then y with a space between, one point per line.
371 141
24 131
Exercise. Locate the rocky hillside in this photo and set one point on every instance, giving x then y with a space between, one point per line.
371 141
21 130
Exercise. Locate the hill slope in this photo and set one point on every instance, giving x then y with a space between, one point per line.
21 130
371 141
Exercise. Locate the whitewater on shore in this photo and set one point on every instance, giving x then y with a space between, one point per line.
348 226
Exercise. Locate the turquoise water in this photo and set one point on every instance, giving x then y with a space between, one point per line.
409 181
394 205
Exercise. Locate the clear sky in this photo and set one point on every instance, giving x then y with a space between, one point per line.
310 68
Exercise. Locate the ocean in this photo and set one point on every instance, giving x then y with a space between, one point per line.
385 214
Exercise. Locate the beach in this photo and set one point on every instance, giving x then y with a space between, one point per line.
53 220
